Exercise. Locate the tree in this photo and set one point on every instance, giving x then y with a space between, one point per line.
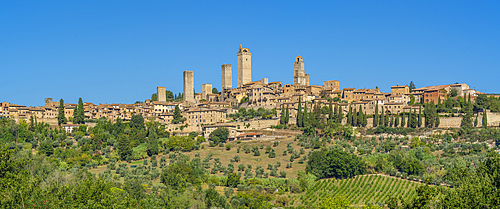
354 117
219 135
375 115
299 114
137 121
453 92
152 147
330 111
381 121
124 149
396 121
282 114
403 120
177 115
154 97
340 115
360 117
412 86
287 115
419 116
349 115
467 118
334 163
61 119
430 114
305 117
215 91
485 119
79 113
414 121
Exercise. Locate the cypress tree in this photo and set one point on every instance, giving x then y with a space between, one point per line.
360 117
386 119
61 118
365 120
80 112
396 121
349 115
485 119
75 115
299 114
414 119
409 118
354 117
420 116
437 121
287 115
381 121
305 118
475 121
330 111
392 121
375 115
403 120
282 114
340 115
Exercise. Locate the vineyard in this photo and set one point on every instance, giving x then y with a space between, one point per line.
361 190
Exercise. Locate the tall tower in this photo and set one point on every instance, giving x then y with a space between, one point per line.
188 87
226 72
244 66
161 94
299 74
226 80
205 90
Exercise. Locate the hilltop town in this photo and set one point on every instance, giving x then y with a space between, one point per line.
201 112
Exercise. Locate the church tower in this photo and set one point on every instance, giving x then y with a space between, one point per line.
299 74
244 66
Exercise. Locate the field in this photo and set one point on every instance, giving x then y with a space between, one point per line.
361 190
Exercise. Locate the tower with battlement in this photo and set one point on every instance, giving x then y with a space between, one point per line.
244 66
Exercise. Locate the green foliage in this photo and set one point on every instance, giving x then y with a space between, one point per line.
61 118
152 147
219 135
334 163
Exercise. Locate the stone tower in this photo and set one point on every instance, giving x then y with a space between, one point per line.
227 81
188 87
161 93
205 90
244 66
299 75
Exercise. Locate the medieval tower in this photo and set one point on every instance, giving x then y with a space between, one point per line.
299 75
161 94
244 66
188 87
226 80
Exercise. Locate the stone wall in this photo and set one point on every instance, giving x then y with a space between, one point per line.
226 79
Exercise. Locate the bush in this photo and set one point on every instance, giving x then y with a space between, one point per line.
228 146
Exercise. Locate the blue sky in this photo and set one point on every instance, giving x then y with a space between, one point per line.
120 51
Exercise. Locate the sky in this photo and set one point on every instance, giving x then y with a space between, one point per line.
120 51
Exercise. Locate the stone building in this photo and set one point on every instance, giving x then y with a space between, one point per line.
331 85
205 90
226 81
400 90
244 66
299 75
188 87
161 93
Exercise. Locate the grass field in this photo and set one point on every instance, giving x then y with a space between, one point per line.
361 190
